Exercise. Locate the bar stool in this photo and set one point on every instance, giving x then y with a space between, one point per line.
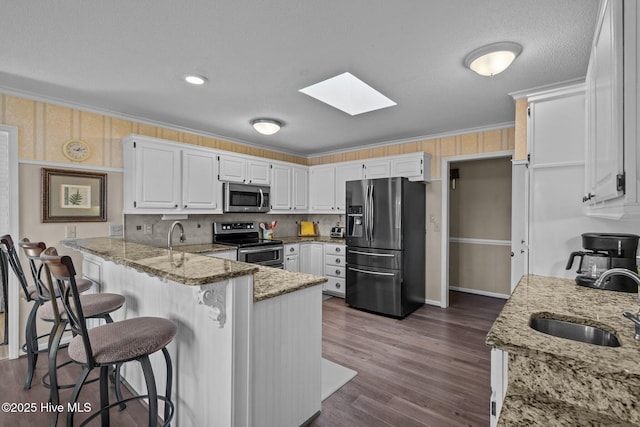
36 293
97 306
111 344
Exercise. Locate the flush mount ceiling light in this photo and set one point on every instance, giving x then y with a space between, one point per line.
194 79
266 126
492 59
348 93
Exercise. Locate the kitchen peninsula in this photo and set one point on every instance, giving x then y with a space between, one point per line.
248 347
556 381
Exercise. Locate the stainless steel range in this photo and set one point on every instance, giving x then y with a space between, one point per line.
245 236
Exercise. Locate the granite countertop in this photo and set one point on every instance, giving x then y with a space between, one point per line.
184 265
563 299
560 382
320 239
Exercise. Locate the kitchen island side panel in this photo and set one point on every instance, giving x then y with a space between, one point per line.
209 375
287 351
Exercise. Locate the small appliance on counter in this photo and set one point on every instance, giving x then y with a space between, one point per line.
337 232
606 251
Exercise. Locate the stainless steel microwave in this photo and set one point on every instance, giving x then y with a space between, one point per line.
245 197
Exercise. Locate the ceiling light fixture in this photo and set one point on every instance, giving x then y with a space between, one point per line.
266 126
195 79
492 59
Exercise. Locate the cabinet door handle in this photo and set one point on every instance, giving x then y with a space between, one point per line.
185 206
337 285
176 206
337 249
588 197
291 249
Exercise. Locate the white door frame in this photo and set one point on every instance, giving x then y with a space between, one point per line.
444 244
13 302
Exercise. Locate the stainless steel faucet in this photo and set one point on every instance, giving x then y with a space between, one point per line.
635 318
170 235
599 283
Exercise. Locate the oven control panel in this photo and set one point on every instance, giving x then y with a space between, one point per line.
231 227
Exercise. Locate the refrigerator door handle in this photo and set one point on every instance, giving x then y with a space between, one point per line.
371 211
366 213
371 254
375 273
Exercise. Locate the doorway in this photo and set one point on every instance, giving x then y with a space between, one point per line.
9 300
476 225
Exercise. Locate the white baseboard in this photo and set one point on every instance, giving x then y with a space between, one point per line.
479 292
432 302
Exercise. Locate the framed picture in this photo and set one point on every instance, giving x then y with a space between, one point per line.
73 196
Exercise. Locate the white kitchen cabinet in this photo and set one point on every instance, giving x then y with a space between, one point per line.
311 258
300 190
322 181
281 188
377 168
289 186
200 186
499 377
153 170
292 257
612 186
345 172
234 168
415 166
334 269
164 177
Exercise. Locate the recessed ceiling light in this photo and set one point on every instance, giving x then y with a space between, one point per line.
266 126
348 93
492 59
195 79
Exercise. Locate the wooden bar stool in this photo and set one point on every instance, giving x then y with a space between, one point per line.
97 306
36 293
112 344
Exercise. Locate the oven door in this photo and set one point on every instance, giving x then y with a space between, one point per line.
270 255
245 198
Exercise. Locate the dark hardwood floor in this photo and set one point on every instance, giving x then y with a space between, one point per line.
430 369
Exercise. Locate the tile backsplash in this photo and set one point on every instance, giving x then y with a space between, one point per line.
152 229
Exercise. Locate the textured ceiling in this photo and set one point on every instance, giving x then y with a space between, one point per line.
127 57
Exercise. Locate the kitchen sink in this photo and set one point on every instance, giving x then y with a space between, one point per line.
574 331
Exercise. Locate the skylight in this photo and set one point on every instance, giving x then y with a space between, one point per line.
348 93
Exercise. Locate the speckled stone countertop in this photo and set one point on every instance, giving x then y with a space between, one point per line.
578 382
320 239
185 266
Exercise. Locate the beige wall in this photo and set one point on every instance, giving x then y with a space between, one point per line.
480 208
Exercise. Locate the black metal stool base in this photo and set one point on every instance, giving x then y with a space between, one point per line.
121 402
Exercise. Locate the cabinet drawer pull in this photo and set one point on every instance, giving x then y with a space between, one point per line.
338 272
337 260
337 249
337 285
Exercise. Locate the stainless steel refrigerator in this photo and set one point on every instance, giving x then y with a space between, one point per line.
386 245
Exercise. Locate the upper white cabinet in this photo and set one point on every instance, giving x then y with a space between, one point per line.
378 168
322 181
345 172
200 187
327 183
242 169
289 188
164 177
611 178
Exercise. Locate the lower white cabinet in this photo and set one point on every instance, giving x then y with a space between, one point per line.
334 269
292 257
311 258
499 368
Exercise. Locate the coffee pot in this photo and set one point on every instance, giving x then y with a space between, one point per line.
603 252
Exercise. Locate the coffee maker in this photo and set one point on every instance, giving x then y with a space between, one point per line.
606 251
